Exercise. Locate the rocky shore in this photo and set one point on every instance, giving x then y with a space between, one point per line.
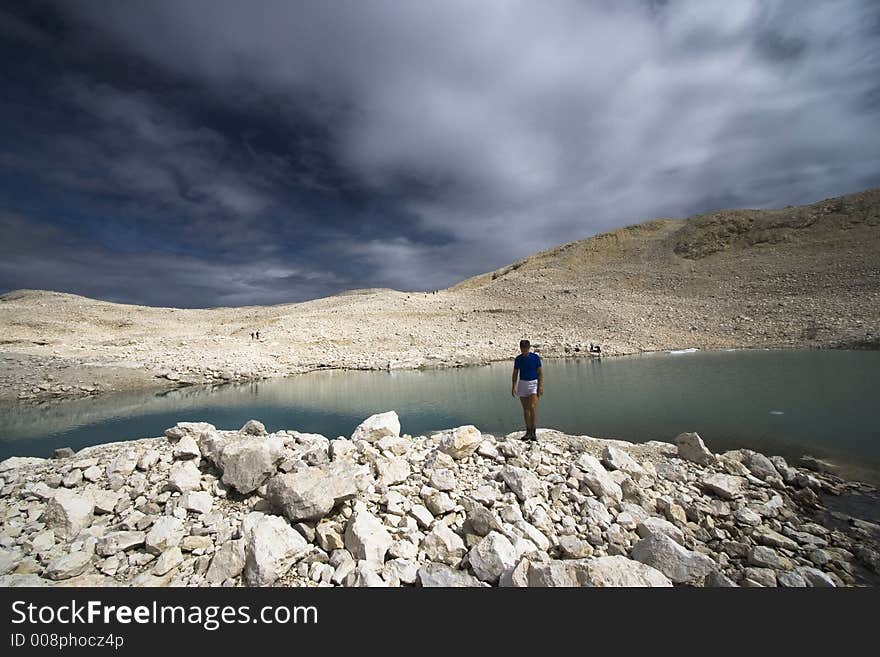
202 507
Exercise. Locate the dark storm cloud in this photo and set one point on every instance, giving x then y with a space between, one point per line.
411 144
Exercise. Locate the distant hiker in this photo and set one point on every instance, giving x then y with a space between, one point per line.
258 335
530 385
595 349
252 335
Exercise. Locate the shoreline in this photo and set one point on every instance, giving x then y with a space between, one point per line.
202 507
159 382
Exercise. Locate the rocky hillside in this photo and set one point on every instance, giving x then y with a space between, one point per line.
201 507
795 277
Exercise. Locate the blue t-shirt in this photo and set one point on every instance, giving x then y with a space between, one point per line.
527 366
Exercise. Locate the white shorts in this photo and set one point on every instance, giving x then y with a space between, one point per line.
526 388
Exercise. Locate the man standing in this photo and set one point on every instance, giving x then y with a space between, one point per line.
530 385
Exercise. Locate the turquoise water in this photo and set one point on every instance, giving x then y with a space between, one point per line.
787 402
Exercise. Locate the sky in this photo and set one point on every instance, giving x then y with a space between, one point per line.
225 153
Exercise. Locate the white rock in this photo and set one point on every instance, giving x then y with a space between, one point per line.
16 462
724 486
9 559
440 575
377 427
68 565
365 575
691 448
443 545
197 501
342 449
310 493
186 448
68 514
654 525
422 516
442 479
165 533
492 556
597 478
620 571
106 500
617 459
406 570
170 558
123 465
148 459
390 471
73 478
366 537
272 546
184 476
253 428
673 560
248 463
461 442
227 563
438 503
522 482
93 473
114 542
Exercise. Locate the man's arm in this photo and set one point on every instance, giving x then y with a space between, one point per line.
513 381
540 380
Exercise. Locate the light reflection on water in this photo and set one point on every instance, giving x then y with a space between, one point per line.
786 402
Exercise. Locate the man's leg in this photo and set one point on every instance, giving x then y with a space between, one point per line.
526 410
534 414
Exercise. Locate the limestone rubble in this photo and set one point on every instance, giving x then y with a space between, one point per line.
468 509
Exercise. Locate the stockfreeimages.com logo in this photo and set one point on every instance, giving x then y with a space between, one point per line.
210 617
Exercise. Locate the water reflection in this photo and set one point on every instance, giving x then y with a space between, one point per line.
779 402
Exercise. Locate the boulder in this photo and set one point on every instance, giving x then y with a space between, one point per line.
616 459
443 545
679 564
462 442
197 501
181 429
522 482
555 573
491 557
253 428
124 464
759 465
68 514
390 471
366 538
597 478
724 486
248 463
653 525
68 565
165 533
227 563
184 476
168 561
620 571
377 426
691 448
119 541
440 575
573 547
272 546
10 558
310 493
186 448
